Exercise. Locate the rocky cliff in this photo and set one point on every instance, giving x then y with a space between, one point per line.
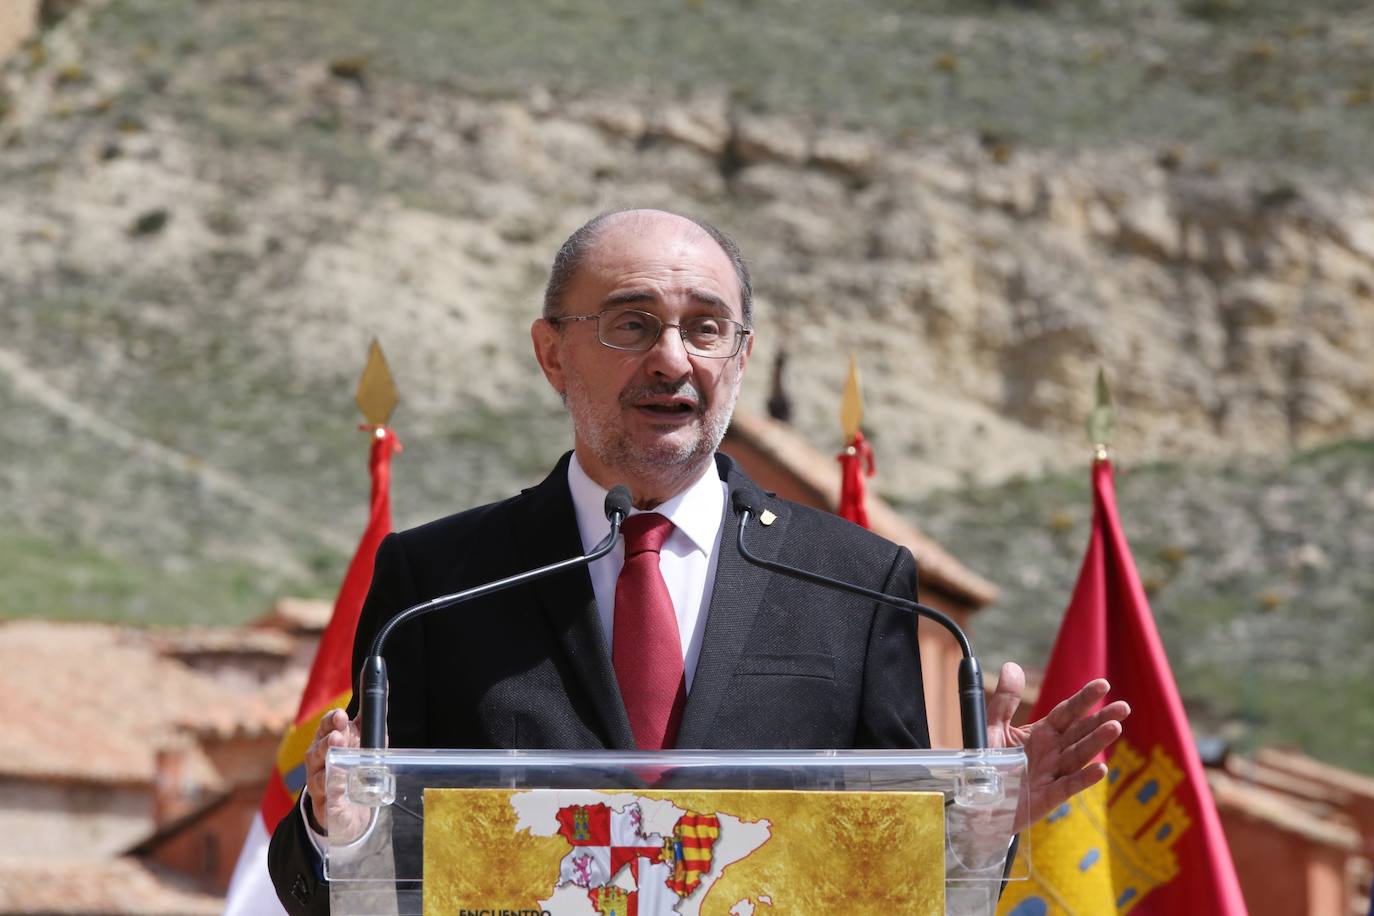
290 209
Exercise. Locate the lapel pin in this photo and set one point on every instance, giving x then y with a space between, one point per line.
766 517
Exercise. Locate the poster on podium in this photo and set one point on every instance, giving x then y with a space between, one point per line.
683 853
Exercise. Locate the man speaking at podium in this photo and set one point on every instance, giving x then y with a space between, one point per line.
673 640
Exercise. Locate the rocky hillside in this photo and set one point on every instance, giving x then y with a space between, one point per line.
209 209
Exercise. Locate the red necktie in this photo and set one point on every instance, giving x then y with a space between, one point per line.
645 647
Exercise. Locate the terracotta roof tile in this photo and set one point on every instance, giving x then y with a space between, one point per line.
95 702
1315 794
269 710
222 641
1298 764
106 886
1278 811
297 615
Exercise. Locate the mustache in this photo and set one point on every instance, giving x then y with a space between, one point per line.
681 389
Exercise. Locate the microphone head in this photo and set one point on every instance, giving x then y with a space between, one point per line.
746 499
618 502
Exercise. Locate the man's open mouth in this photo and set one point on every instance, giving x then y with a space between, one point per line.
673 409
671 401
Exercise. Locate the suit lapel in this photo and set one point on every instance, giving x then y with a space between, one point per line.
736 596
547 533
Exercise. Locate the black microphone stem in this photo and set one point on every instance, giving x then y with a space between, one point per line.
973 715
373 677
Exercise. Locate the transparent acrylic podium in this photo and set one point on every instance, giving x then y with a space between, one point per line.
383 870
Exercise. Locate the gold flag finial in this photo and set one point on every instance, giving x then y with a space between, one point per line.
1102 419
852 403
376 395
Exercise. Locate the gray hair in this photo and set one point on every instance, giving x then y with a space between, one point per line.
573 255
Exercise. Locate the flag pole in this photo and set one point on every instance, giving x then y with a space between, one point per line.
1101 419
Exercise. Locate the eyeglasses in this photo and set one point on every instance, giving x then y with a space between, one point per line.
631 329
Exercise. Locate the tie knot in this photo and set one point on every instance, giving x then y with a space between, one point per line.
645 532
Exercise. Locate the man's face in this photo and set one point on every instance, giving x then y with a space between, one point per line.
651 418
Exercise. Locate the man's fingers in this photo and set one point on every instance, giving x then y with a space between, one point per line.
1066 787
334 731
1011 681
1084 740
354 730
1077 706
1079 754
315 759
1046 798
334 722
315 756
331 721
1112 712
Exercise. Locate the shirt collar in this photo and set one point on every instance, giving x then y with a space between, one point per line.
696 512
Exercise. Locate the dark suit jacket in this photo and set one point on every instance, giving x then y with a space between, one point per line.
783 664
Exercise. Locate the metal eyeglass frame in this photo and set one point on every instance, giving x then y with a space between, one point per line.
741 332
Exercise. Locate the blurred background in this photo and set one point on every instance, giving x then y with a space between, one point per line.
209 208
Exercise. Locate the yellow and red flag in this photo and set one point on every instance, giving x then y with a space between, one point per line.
1147 839
856 461
694 837
330 684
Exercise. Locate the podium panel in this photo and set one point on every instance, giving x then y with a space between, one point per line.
679 833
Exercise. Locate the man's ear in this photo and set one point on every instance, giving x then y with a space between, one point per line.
744 353
547 349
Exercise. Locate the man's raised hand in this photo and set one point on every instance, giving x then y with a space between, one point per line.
1060 748
342 820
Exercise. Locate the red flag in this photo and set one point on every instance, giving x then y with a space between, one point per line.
585 825
856 463
328 687
1147 839
332 670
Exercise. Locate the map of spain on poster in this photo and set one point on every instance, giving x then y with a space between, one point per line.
682 853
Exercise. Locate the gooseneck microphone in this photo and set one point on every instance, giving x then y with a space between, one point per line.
973 714
374 685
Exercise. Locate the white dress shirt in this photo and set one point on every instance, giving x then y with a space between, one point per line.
687 561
